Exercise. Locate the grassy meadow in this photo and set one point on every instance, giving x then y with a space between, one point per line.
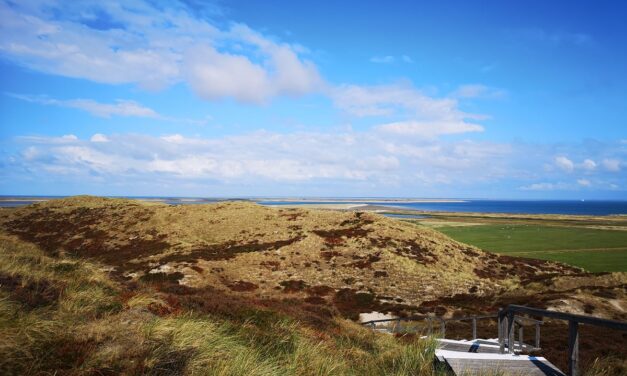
595 250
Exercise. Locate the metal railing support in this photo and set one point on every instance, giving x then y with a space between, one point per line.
573 347
507 321
502 334
510 332
537 344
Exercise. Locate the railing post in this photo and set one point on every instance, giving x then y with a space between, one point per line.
443 328
573 347
520 335
510 332
474 328
502 331
537 335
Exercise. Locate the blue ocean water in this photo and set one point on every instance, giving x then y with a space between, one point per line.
593 207
496 206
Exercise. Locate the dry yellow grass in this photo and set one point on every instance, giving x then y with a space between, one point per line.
89 327
93 285
229 245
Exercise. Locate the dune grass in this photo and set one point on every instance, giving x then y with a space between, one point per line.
63 316
592 249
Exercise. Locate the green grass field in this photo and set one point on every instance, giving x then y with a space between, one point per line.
591 249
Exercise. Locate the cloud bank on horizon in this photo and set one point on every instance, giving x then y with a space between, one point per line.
169 98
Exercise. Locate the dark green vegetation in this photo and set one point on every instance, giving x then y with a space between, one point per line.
592 249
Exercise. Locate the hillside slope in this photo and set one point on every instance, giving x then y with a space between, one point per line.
322 256
109 286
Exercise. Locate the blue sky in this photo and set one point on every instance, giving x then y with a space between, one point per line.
481 99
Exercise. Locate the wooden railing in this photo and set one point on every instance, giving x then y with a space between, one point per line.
399 328
507 317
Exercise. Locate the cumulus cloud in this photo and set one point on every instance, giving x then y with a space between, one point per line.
564 163
584 182
613 165
367 161
414 112
153 46
98 137
588 165
380 100
295 157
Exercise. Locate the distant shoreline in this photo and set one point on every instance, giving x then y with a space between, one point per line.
364 201
414 205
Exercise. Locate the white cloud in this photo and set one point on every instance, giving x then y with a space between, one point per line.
390 99
557 186
540 187
429 129
119 108
564 163
554 37
383 59
306 161
588 165
153 46
389 59
584 182
294 157
410 111
213 74
407 59
98 137
30 153
124 108
477 91
612 165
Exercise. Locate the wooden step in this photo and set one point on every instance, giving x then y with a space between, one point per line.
482 357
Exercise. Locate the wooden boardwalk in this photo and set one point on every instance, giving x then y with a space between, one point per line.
482 357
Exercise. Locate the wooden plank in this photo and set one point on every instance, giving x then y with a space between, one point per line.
468 347
508 367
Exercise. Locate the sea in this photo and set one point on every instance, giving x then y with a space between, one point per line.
572 207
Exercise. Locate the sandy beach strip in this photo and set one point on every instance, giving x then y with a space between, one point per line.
330 206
